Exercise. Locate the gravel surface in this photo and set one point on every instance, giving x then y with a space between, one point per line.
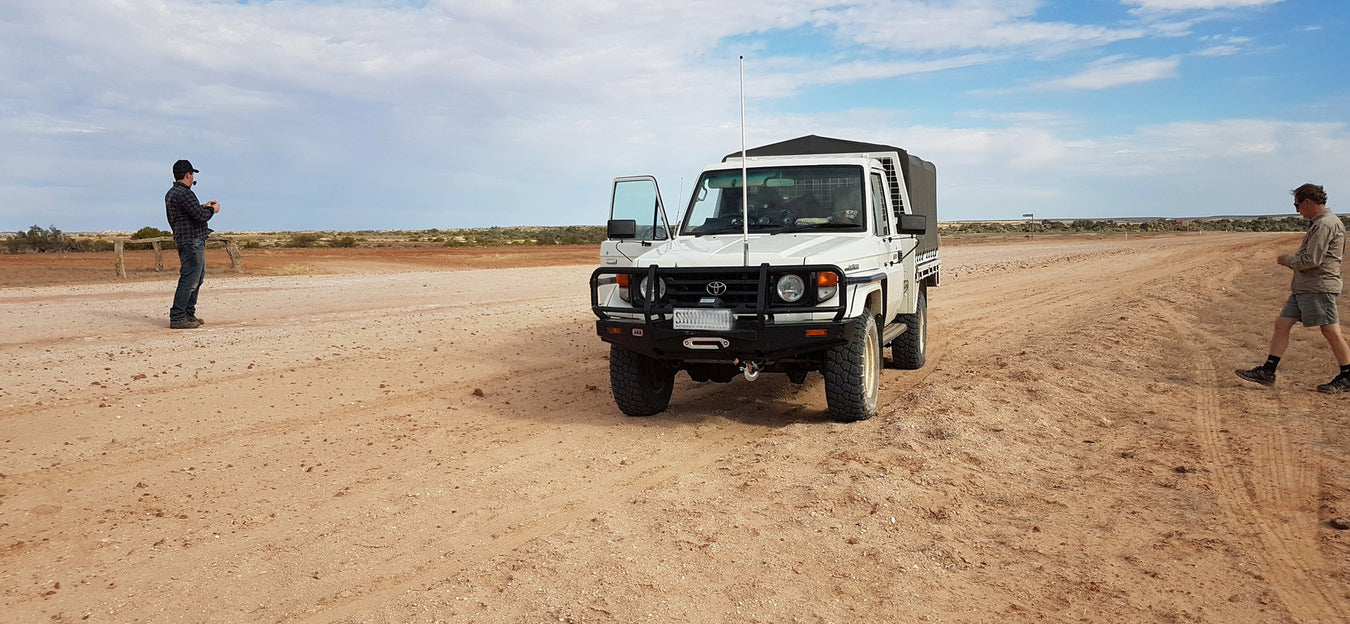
409 443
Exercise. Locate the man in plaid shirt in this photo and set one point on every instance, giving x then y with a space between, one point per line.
188 220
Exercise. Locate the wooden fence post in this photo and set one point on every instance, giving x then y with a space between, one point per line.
231 248
121 266
236 259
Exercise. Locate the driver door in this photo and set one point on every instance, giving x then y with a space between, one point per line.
637 220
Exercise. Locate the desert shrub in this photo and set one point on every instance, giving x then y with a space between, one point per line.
499 236
302 239
150 232
93 244
343 241
40 240
251 243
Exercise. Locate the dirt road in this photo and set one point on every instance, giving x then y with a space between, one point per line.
422 446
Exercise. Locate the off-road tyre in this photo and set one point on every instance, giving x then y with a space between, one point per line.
641 385
853 373
910 349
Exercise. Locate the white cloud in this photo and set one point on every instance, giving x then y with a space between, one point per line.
1040 164
492 113
911 25
1114 72
1189 5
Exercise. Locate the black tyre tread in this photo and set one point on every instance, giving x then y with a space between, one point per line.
910 349
641 385
844 392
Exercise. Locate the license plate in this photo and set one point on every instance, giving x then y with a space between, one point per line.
704 319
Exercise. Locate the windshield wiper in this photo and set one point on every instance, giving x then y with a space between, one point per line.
802 227
731 227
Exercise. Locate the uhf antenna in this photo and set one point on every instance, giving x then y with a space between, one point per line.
745 187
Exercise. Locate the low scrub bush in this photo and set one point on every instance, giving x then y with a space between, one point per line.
40 240
302 239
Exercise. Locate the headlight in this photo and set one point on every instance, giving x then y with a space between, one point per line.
827 284
660 289
791 288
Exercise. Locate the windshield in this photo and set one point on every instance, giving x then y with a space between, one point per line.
782 199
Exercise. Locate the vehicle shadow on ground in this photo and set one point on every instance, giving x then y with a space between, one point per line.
770 401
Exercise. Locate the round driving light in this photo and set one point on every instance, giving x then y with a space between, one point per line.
791 288
660 289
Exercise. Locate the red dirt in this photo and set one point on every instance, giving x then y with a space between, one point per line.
375 438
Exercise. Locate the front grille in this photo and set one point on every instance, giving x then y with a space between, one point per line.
686 289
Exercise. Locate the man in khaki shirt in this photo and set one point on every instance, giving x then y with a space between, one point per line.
1316 284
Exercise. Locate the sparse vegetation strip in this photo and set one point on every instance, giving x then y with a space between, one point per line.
39 240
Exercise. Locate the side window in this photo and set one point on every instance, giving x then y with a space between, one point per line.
639 200
880 216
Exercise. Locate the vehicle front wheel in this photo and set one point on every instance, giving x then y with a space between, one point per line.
641 385
853 373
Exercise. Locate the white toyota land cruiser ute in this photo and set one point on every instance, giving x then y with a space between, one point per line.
813 254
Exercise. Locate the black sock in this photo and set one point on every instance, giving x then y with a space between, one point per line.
1345 371
1272 363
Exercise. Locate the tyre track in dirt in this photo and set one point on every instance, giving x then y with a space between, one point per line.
693 458
145 463
1273 501
225 393
1053 288
541 451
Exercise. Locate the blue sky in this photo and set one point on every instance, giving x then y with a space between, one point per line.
381 114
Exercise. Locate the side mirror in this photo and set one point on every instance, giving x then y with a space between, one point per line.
619 229
915 224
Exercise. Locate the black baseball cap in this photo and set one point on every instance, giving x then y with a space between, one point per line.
181 168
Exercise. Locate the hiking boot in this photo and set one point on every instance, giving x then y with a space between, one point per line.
1340 384
1259 375
196 320
187 323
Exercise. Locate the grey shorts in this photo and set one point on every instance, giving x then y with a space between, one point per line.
1314 309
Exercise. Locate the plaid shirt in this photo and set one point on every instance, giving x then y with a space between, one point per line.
187 216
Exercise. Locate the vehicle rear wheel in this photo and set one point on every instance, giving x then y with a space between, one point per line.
641 385
910 349
853 373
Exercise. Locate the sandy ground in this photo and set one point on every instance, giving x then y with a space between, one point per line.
376 441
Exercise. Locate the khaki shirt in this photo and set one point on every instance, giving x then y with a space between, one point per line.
1317 264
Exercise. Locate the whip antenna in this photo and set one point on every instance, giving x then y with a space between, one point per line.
745 187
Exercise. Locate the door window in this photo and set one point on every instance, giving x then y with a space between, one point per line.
880 216
640 200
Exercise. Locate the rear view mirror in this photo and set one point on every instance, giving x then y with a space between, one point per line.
915 224
620 229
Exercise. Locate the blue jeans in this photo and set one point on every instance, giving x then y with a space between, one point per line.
191 272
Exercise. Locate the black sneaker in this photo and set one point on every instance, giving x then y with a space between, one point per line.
1340 384
1258 375
187 323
